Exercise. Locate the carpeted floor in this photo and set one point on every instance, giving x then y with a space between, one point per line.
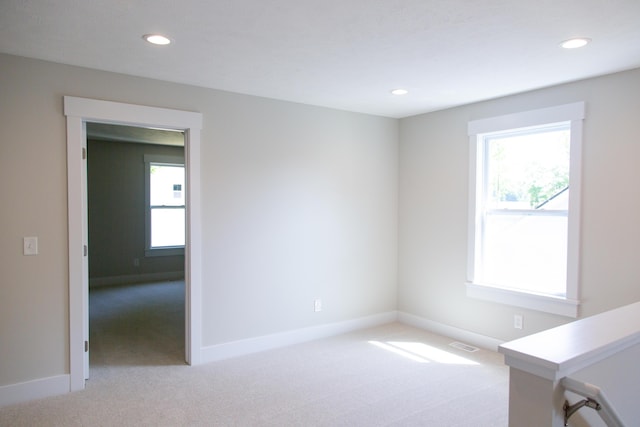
392 375
136 325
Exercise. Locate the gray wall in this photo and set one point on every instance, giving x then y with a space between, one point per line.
116 190
298 202
434 164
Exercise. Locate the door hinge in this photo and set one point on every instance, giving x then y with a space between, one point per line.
85 250
84 153
86 346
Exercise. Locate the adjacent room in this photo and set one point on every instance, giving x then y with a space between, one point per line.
340 189
135 218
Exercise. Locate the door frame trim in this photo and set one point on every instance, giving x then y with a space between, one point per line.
78 112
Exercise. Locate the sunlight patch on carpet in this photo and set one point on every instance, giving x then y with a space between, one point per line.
422 353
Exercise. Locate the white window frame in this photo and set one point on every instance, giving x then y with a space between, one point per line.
565 306
165 160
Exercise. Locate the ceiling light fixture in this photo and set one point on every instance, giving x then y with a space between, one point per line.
399 92
575 43
156 39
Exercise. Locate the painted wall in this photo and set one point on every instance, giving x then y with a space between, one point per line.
619 379
116 190
433 213
298 202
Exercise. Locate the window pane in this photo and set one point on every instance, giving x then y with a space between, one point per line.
525 171
166 185
167 227
526 252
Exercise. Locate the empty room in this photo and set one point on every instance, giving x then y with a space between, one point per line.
383 213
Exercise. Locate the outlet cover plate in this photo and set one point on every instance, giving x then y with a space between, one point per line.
517 321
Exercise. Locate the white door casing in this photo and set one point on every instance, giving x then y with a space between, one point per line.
79 111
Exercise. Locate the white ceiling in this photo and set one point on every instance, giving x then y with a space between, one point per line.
345 54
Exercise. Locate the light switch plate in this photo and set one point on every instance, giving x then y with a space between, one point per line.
30 246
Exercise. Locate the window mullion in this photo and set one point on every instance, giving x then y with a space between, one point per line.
527 212
166 206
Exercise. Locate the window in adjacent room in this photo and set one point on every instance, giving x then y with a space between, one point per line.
165 205
524 209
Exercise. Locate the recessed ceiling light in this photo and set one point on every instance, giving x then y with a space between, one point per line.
575 43
156 39
399 92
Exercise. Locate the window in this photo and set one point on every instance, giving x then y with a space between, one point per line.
524 209
165 205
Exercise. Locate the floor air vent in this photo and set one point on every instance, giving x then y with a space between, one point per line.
464 347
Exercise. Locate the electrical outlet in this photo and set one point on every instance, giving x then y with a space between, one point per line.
517 321
136 262
317 305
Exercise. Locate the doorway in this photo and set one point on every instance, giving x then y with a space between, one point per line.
136 235
78 112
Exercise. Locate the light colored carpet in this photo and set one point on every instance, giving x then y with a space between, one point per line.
392 375
135 325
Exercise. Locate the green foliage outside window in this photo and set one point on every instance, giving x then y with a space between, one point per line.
528 170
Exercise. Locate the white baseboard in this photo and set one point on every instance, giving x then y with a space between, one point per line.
36 389
135 278
450 331
52 386
267 342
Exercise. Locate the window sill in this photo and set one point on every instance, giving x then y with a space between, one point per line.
549 304
163 252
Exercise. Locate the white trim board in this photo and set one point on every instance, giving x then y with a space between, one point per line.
36 389
268 342
45 387
450 331
78 112
574 114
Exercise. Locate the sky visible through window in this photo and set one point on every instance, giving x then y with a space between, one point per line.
167 204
